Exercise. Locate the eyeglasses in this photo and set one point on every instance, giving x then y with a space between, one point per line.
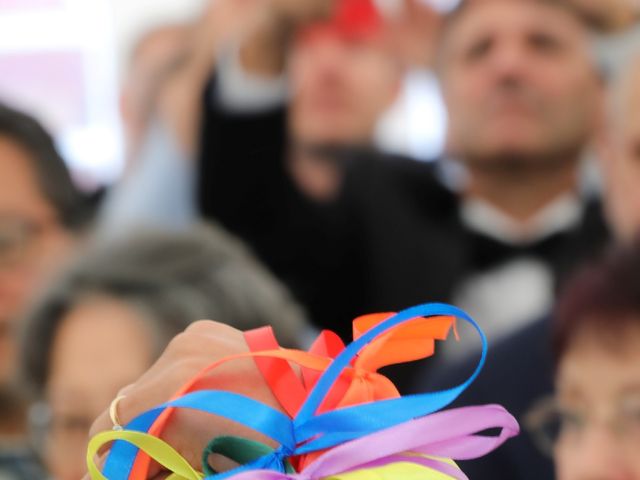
16 237
62 435
552 424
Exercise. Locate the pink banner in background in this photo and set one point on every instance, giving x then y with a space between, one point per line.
29 4
49 85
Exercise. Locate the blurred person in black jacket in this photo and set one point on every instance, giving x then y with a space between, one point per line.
380 233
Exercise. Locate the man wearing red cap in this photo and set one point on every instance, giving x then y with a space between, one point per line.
354 232
339 65
341 72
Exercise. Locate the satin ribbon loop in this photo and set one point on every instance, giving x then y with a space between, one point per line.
375 332
411 341
313 430
422 447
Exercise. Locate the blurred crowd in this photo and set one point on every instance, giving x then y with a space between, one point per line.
253 195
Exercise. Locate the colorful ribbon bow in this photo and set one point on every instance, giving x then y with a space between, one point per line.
344 435
360 382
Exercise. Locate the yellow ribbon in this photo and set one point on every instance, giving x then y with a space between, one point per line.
169 458
394 471
158 449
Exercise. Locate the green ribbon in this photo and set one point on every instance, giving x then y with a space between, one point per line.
240 450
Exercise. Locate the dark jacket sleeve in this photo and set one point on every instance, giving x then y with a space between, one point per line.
244 184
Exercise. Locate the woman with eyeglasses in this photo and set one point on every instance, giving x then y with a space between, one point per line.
592 425
42 218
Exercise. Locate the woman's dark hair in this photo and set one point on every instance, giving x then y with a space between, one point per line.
604 298
51 171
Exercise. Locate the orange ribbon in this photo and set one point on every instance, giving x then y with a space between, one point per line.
359 384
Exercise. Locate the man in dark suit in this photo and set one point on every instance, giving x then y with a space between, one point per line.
519 371
522 95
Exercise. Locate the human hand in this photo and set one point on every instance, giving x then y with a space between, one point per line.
297 13
413 32
200 345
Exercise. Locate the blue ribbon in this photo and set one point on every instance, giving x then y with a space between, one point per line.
308 432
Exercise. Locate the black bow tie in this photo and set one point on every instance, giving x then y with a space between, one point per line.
487 252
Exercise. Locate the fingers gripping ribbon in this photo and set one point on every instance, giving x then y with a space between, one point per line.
342 419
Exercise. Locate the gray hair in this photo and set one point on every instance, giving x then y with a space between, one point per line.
173 279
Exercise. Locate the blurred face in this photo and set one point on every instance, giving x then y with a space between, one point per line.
32 243
599 395
518 83
621 160
101 346
342 87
